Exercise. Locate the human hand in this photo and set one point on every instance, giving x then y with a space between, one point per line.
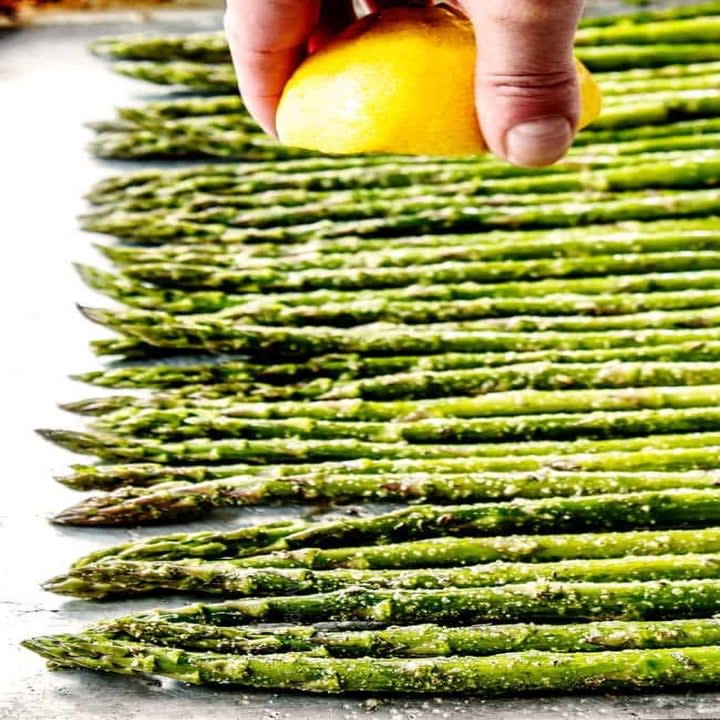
526 82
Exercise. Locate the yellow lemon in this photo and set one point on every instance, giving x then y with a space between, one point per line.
399 81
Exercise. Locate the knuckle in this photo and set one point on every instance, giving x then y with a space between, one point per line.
532 86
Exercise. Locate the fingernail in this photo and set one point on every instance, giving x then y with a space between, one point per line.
539 142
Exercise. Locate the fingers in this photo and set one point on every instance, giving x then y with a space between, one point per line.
526 84
268 38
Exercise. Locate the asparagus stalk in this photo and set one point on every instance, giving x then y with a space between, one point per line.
174 426
141 475
539 376
427 384
526 602
254 279
432 553
416 640
341 369
652 16
698 29
222 122
185 107
127 578
212 334
366 310
620 57
115 448
213 77
495 404
176 500
666 508
504 674
234 144
198 47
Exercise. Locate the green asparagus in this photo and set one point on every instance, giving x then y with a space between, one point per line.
506 674
526 602
654 508
416 640
177 500
425 384
436 552
212 334
127 578
109 477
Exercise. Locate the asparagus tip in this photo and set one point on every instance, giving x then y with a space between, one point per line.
74 515
96 315
70 439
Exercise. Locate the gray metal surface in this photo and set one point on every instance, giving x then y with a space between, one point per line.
49 86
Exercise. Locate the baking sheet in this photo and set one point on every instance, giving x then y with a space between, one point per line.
50 86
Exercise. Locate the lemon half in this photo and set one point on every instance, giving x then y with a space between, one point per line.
399 81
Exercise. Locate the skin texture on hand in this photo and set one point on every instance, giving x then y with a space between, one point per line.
526 83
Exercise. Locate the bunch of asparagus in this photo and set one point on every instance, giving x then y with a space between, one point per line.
526 359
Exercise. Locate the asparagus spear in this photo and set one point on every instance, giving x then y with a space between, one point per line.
109 477
504 674
432 553
416 640
222 122
175 426
508 603
255 279
223 411
426 384
619 57
212 334
212 77
641 17
698 29
125 290
365 310
177 500
540 376
339 369
127 578
666 508
199 47
235 144
184 107
115 448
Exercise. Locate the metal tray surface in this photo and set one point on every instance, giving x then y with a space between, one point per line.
50 86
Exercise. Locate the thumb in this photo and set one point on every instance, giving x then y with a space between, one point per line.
526 82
